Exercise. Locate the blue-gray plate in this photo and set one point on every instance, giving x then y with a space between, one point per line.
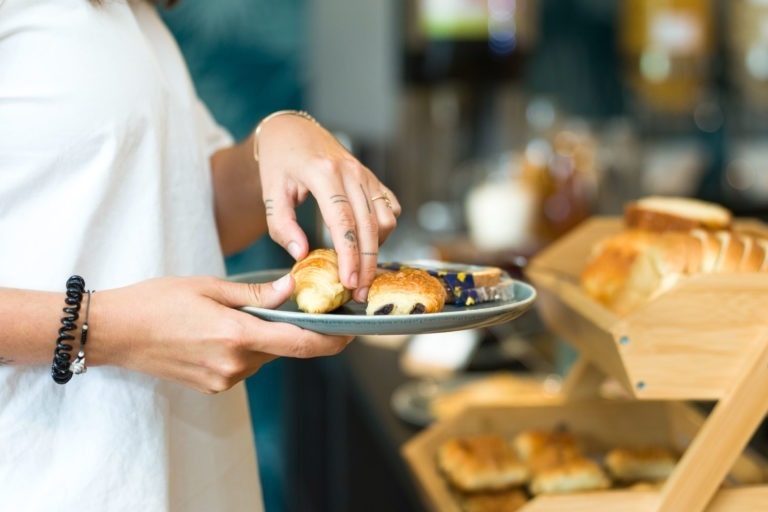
517 298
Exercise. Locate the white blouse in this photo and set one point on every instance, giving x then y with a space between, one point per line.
105 173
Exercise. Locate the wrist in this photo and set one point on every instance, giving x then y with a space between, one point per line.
257 131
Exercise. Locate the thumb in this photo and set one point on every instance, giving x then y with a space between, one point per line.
264 295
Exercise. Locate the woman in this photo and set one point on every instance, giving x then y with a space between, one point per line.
112 169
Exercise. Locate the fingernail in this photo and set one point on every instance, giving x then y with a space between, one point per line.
282 284
353 280
293 250
362 294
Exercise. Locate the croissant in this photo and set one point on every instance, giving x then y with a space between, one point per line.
318 289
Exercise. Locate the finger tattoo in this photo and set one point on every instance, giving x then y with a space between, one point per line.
339 198
369 253
350 237
365 196
269 208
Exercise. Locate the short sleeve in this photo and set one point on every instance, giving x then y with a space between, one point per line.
213 135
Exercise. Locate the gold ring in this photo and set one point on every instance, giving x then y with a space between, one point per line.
385 197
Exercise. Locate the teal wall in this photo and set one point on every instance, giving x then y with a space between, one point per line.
245 57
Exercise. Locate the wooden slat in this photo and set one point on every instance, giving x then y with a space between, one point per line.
723 437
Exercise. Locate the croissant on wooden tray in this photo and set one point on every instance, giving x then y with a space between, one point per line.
318 289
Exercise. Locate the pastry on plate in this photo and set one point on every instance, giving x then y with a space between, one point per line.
407 291
482 462
318 289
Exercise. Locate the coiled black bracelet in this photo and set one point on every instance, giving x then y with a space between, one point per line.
62 355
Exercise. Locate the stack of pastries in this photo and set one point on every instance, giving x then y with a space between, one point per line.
492 473
665 239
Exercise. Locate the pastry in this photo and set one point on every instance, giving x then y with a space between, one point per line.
407 291
318 289
481 463
465 285
531 445
575 475
640 464
501 501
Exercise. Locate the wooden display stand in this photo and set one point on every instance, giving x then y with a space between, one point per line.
705 339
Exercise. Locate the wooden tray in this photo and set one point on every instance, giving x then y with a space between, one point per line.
601 425
692 342
706 338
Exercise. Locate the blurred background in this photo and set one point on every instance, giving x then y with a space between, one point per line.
500 125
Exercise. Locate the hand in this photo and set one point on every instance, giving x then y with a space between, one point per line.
298 157
186 330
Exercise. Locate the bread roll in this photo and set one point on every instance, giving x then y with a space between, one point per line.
408 291
318 289
658 213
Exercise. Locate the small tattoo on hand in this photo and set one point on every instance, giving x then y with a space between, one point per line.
350 237
5 362
365 196
339 198
269 208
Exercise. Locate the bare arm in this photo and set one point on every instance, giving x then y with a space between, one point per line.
181 329
240 214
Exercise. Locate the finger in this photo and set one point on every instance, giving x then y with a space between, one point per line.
386 218
283 226
368 236
339 214
264 295
285 340
394 202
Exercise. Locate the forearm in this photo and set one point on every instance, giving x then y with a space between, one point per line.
240 215
30 321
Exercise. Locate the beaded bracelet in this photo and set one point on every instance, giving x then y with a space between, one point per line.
60 371
257 131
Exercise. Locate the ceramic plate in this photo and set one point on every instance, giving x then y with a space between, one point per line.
351 318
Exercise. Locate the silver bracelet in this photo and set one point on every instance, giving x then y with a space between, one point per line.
78 366
299 113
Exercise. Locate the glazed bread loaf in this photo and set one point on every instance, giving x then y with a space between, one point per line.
667 238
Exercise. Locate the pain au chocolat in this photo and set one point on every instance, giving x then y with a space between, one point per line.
407 291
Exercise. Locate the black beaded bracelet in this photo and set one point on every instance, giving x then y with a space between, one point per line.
62 355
